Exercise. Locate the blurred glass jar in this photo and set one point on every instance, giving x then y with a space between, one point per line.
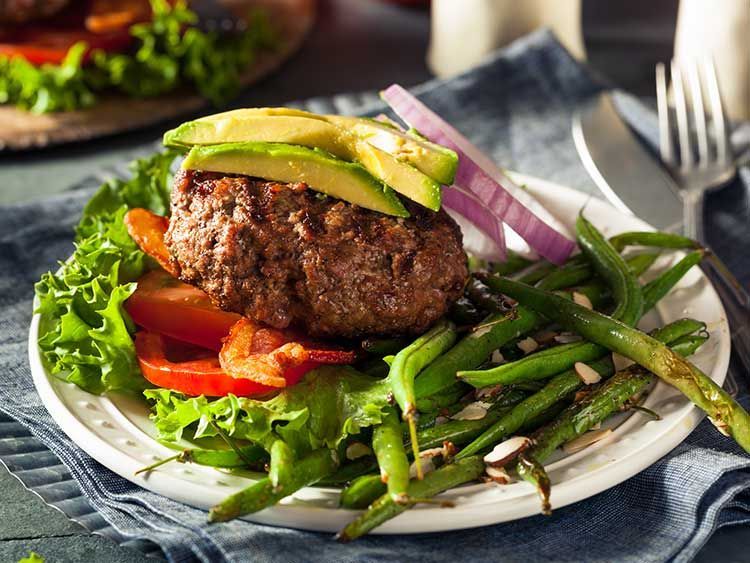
464 31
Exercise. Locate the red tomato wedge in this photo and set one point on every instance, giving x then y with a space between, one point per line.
168 306
147 229
43 45
200 376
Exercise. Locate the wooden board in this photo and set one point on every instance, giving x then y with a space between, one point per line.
21 130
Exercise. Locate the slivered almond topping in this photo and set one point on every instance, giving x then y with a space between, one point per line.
490 391
582 300
441 420
585 440
472 411
567 338
356 450
497 357
720 426
497 474
621 362
425 460
587 374
507 450
528 345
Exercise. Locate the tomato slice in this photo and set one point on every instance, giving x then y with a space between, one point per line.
200 376
147 229
168 306
43 45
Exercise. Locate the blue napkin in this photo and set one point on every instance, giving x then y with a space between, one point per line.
517 106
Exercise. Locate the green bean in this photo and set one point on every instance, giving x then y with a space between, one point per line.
387 442
350 471
445 398
245 456
570 274
479 294
262 494
540 365
361 492
641 348
463 312
560 387
383 346
654 239
383 509
408 363
537 272
473 349
475 263
514 262
639 263
375 367
655 290
610 265
282 463
460 432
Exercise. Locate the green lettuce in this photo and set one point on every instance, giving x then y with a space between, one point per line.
169 52
330 404
85 335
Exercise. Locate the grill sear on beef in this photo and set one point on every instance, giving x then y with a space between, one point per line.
288 256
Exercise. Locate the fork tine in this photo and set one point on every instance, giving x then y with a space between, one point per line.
717 112
699 113
683 128
662 106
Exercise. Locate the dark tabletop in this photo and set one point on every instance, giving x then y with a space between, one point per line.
383 44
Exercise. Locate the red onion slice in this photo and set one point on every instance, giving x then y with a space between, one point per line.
475 174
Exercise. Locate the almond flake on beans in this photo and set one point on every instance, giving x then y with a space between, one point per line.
567 338
528 345
621 362
472 411
507 450
587 374
582 300
490 391
585 440
497 475
497 357
720 426
356 450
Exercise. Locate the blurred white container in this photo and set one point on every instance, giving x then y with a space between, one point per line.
719 29
464 31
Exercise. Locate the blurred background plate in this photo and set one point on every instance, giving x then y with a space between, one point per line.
292 19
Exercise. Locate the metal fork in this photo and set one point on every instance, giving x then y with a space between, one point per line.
701 127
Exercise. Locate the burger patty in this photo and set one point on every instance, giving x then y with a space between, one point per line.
21 11
286 255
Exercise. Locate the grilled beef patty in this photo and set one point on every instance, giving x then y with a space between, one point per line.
286 255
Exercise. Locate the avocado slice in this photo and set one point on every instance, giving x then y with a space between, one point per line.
433 160
297 128
322 171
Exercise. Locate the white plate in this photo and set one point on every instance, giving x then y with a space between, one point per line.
115 430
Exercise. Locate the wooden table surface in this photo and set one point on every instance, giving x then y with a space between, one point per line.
385 44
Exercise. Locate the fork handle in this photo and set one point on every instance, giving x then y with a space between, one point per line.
734 297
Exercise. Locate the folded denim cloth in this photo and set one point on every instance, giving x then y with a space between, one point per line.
517 106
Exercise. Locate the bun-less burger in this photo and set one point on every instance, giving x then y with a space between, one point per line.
57 55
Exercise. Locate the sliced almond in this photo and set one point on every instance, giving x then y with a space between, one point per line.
528 345
567 338
720 426
497 357
490 391
621 362
582 300
356 450
472 411
441 420
585 440
507 450
497 474
427 466
545 336
587 374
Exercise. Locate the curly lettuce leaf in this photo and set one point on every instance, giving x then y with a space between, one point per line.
330 404
169 52
85 335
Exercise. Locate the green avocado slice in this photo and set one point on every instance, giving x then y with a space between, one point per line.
299 128
320 170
